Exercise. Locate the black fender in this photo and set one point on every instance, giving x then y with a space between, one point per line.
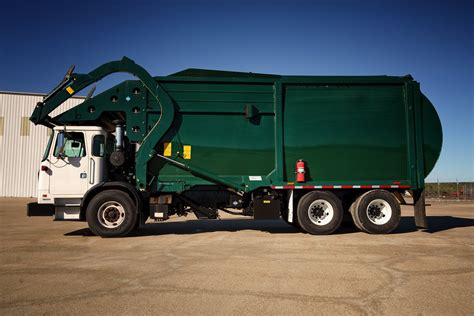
138 197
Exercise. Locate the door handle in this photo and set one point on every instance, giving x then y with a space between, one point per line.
91 171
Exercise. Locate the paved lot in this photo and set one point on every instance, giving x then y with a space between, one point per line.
236 266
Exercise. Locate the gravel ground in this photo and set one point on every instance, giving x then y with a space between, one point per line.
236 266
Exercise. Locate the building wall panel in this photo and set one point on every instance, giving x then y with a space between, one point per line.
22 143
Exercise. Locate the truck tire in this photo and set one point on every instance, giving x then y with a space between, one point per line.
376 212
347 203
355 218
319 212
111 213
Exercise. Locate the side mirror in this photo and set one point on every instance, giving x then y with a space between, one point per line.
60 145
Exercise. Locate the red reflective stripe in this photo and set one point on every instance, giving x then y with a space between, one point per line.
341 186
396 182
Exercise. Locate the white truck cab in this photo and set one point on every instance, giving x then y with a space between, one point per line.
73 162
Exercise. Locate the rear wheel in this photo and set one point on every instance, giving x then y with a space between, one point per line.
111 213
319 212
376 212
355 217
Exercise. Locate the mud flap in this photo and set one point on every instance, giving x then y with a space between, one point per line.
420 208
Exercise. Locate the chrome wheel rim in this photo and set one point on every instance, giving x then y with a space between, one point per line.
320 212
111 214
379 212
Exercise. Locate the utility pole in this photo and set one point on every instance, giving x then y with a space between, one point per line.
457 188
439 196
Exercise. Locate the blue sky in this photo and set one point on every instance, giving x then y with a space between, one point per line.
431 40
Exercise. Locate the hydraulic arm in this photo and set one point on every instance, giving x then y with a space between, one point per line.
74 83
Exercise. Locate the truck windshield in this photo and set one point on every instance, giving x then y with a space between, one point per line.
48 146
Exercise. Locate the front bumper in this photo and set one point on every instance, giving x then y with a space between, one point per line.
35 209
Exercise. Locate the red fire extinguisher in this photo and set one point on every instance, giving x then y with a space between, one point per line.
300 171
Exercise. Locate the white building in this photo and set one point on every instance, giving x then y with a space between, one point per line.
22 143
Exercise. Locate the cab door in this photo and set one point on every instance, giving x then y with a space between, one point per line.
97 159
69 166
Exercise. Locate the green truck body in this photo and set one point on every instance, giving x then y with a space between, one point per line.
246 131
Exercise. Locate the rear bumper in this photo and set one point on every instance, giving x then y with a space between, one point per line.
35 209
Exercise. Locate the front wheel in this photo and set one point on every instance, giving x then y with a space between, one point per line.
111 213
376 212
319 212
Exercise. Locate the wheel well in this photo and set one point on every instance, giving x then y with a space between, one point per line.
124 187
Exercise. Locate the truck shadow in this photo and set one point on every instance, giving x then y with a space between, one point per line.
407 225
435 224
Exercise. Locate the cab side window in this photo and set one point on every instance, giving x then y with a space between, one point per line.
110 145
98 146
74 145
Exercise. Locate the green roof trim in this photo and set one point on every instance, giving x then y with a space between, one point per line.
194 72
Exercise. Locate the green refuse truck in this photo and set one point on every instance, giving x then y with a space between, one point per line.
308 149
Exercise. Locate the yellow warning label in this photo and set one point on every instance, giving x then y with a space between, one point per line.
70 90
167 149
187 151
